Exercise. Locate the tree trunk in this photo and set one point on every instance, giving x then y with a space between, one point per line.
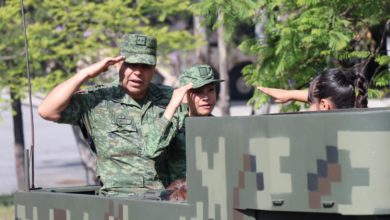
19 139
224 97
202 53
388 48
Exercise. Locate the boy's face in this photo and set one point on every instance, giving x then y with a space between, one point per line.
201 101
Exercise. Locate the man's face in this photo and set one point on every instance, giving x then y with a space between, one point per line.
201 101
135 78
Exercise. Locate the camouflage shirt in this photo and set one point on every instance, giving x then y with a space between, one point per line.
176 156
171 163
127 134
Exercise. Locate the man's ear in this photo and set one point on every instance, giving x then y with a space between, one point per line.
325 105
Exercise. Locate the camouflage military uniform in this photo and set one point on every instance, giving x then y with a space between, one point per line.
176 156
127 134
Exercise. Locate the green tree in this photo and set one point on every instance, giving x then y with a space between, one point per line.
13 68
304 37
223 16
63 35
87 31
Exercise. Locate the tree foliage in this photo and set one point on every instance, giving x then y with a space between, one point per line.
303 37
306 36
11 49
223 16
232 13
64 35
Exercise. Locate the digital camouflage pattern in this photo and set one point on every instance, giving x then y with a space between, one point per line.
198 75
139 48
171 163
127 134
319 165
176 156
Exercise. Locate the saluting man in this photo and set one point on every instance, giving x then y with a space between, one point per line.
125 120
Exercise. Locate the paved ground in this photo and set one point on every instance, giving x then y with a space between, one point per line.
57 160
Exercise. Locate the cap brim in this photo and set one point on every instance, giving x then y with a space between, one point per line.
140 58
203 83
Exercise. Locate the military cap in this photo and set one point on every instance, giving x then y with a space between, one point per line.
139 48
198 75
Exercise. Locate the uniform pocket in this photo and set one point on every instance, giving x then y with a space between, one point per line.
123 140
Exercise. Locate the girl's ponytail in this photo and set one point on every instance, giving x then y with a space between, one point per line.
362 87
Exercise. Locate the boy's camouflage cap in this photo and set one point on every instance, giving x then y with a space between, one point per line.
139 48
199 76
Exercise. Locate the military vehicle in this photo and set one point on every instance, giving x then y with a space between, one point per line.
310 165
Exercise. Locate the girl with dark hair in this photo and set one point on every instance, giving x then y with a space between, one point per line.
198 91
332 89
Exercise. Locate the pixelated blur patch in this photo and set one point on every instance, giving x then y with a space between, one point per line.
332 154
324 186
59 214
322 168
314 200
141 40
260 181
334 172
312 182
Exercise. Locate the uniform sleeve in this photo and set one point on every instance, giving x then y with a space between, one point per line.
162 133
76 108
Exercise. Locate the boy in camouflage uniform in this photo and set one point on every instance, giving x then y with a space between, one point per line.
125 120
201 99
